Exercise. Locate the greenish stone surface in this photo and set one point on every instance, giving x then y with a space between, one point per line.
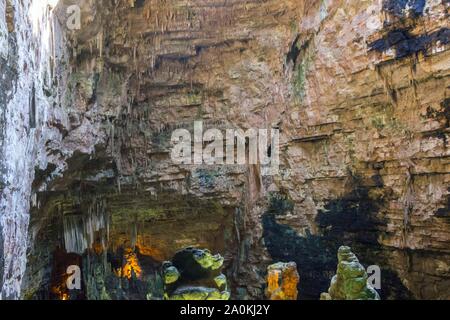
350 281
217 262
221 281
195 274
199 293
171 275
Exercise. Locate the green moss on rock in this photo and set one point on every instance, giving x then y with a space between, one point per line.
171 275
195 274
221 282
199 293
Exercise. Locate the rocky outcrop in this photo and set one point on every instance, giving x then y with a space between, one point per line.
358 90
195 274
31 48
366 146
282 281
350 281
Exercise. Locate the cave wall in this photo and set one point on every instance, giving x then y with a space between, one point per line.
358 89
367 153
30 45
126 93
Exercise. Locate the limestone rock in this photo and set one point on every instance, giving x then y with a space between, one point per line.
359 90
199 293
350 281
282 281
221 282
170 274
196 263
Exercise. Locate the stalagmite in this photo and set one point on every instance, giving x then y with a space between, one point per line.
350 281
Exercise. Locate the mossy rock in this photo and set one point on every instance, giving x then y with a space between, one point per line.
350 281
195 274
195 264
221 282
170 275
198 293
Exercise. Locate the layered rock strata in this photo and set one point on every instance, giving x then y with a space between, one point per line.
358 90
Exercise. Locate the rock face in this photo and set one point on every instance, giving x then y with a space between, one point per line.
358 90
30 46
195 274
365 161
350 281
282 281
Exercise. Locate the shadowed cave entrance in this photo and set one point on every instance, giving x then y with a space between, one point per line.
119 241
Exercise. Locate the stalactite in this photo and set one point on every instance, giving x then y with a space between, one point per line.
390 92
80 229
100 43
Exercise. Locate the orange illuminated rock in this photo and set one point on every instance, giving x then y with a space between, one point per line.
131 266
282 281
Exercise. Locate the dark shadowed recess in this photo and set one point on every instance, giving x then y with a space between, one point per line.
406 44
445 211
407 13
350 220
139 3
399 7
446 107
98 277
294 52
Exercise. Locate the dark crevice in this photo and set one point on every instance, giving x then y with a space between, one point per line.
139 3
405 44
294 52
32 115
446 111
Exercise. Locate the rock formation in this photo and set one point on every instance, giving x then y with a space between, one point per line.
195 274
350 281
282 281
359 91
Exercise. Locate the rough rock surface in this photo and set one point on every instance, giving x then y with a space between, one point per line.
350 281
358 89
282 281
30 45
367 155
195 274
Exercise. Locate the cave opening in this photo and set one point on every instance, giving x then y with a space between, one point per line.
120 241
